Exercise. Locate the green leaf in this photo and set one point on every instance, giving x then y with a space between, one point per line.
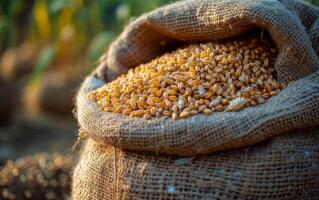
44 60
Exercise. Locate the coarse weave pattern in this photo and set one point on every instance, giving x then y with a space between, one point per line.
268 151
297 106
284 167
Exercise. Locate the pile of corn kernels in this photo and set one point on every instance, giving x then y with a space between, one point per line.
202 78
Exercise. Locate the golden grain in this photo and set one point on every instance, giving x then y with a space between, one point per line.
203 78
147 116
174 116
207 111
184 114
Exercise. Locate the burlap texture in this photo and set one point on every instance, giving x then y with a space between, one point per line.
297 106
284 167
262 152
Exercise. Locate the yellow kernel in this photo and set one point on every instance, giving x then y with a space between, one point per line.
137 113
184 114
147 116
140 104
166 113
168 103
215 88
127 111
174 116
207 111
117 110
194 83
180 78
153 110
158 93
171 92
201 101
273 93
156 99
108 109
209 95
170 81
219 108
172 98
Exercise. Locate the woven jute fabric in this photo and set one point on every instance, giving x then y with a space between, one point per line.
267 151
284 167
297 106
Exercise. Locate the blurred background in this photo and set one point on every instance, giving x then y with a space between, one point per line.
46 49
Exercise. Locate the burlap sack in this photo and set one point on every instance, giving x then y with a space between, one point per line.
285 167
297 106
280 162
